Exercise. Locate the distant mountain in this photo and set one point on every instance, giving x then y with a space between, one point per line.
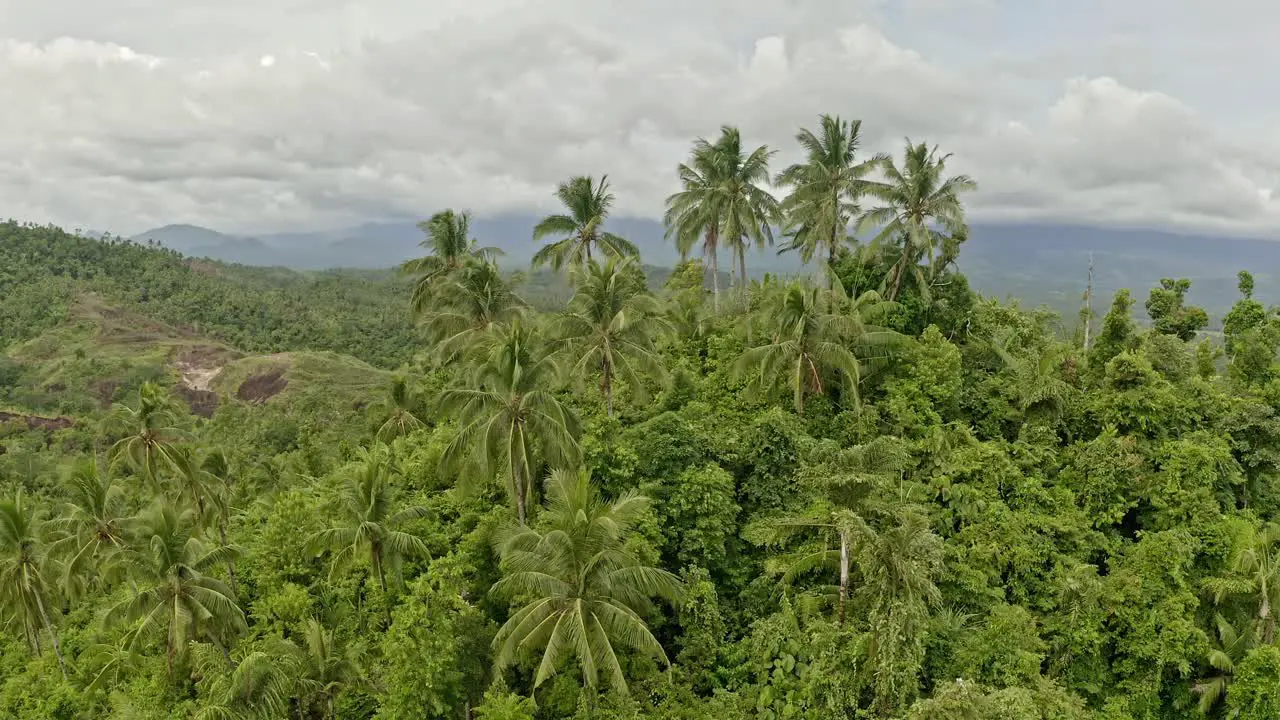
197 241
1039 263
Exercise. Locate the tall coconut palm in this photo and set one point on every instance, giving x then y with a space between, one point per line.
90 533
920 208
149 433
582 593
1253 573
507 413
693 213
25 589
179 598
805 346
610 326
748 211
580 229
826 189
367 526
467 304
723 200
448 239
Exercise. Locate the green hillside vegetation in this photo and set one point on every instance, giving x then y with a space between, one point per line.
869 495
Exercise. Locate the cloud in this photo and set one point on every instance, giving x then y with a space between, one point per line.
373 111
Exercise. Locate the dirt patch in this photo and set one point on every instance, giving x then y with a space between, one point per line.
262 387
201 402
35 421
199 366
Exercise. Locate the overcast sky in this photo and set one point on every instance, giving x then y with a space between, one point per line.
261 115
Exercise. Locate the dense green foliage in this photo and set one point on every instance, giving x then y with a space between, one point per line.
805 500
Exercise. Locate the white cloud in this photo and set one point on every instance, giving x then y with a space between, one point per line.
161 113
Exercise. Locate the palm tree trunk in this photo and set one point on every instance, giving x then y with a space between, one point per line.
895 277
53 635
844 575
606 385
715 270
831 272
170 647
742 269
375 558
231 564
517 484
1264 614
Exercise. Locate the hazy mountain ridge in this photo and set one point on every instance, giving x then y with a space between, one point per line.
1039 263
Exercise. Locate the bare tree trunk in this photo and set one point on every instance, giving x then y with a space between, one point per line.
844 573
53 635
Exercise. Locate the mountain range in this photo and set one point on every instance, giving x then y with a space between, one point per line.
1039 263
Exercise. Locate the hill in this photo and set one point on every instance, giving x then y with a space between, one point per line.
1040 263
43 271
103 353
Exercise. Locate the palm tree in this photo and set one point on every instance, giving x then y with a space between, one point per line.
723 199
255 682
1037 384
506 411
398 409
467 304
583 593
917 197
193 486
1254 573
451 246
610 326
826 188
1229 648
843 485
152 429
693 214
367 525
24 589
805 346
588 204
91 531
219 485
326 668
180 598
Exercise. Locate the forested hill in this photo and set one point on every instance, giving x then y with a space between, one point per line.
880 497
44 269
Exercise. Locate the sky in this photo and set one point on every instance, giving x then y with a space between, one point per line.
281 115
